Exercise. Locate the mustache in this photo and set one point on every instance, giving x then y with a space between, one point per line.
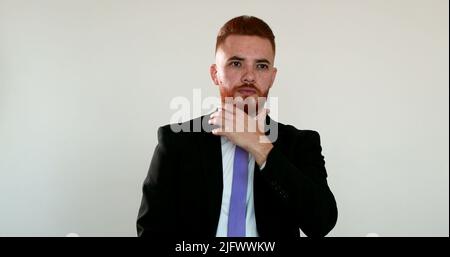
252 86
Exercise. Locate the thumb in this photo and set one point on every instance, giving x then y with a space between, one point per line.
261 118
262 115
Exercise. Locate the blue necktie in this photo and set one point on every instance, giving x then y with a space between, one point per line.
238 200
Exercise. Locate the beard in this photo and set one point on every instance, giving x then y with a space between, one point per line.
251 104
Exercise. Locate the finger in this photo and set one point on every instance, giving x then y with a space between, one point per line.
262 114
218 132
221 116
215 114
217 121
229 108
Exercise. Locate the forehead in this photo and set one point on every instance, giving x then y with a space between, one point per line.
247 47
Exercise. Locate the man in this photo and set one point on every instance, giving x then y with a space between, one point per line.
228 182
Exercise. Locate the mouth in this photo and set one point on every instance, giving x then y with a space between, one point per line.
246 91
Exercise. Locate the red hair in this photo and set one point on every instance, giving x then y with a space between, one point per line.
247 26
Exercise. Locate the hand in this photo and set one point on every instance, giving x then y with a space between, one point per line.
243 130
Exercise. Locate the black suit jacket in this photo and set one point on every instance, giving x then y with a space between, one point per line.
182 194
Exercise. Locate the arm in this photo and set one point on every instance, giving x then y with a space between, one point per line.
298 175
157 214
301 183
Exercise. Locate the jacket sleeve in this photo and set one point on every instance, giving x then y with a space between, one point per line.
300 181
156 215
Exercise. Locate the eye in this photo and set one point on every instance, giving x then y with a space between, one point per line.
262 66
235 64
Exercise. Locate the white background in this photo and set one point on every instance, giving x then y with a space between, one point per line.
84 86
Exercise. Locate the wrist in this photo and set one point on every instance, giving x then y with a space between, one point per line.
260 151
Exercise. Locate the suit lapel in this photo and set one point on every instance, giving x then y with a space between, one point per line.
211 158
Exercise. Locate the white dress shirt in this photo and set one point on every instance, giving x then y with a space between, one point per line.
227 161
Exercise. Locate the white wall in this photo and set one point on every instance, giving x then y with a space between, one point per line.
84 86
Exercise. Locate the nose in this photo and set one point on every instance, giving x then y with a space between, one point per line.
248 76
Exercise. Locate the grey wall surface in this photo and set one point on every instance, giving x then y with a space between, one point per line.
84 85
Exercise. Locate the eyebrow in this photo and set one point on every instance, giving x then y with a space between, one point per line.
237 58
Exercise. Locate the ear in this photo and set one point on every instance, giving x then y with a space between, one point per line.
274 74
213 73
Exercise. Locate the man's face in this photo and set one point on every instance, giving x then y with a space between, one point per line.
244 67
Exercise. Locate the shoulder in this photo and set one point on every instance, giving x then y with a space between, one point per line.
176 132
293 133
